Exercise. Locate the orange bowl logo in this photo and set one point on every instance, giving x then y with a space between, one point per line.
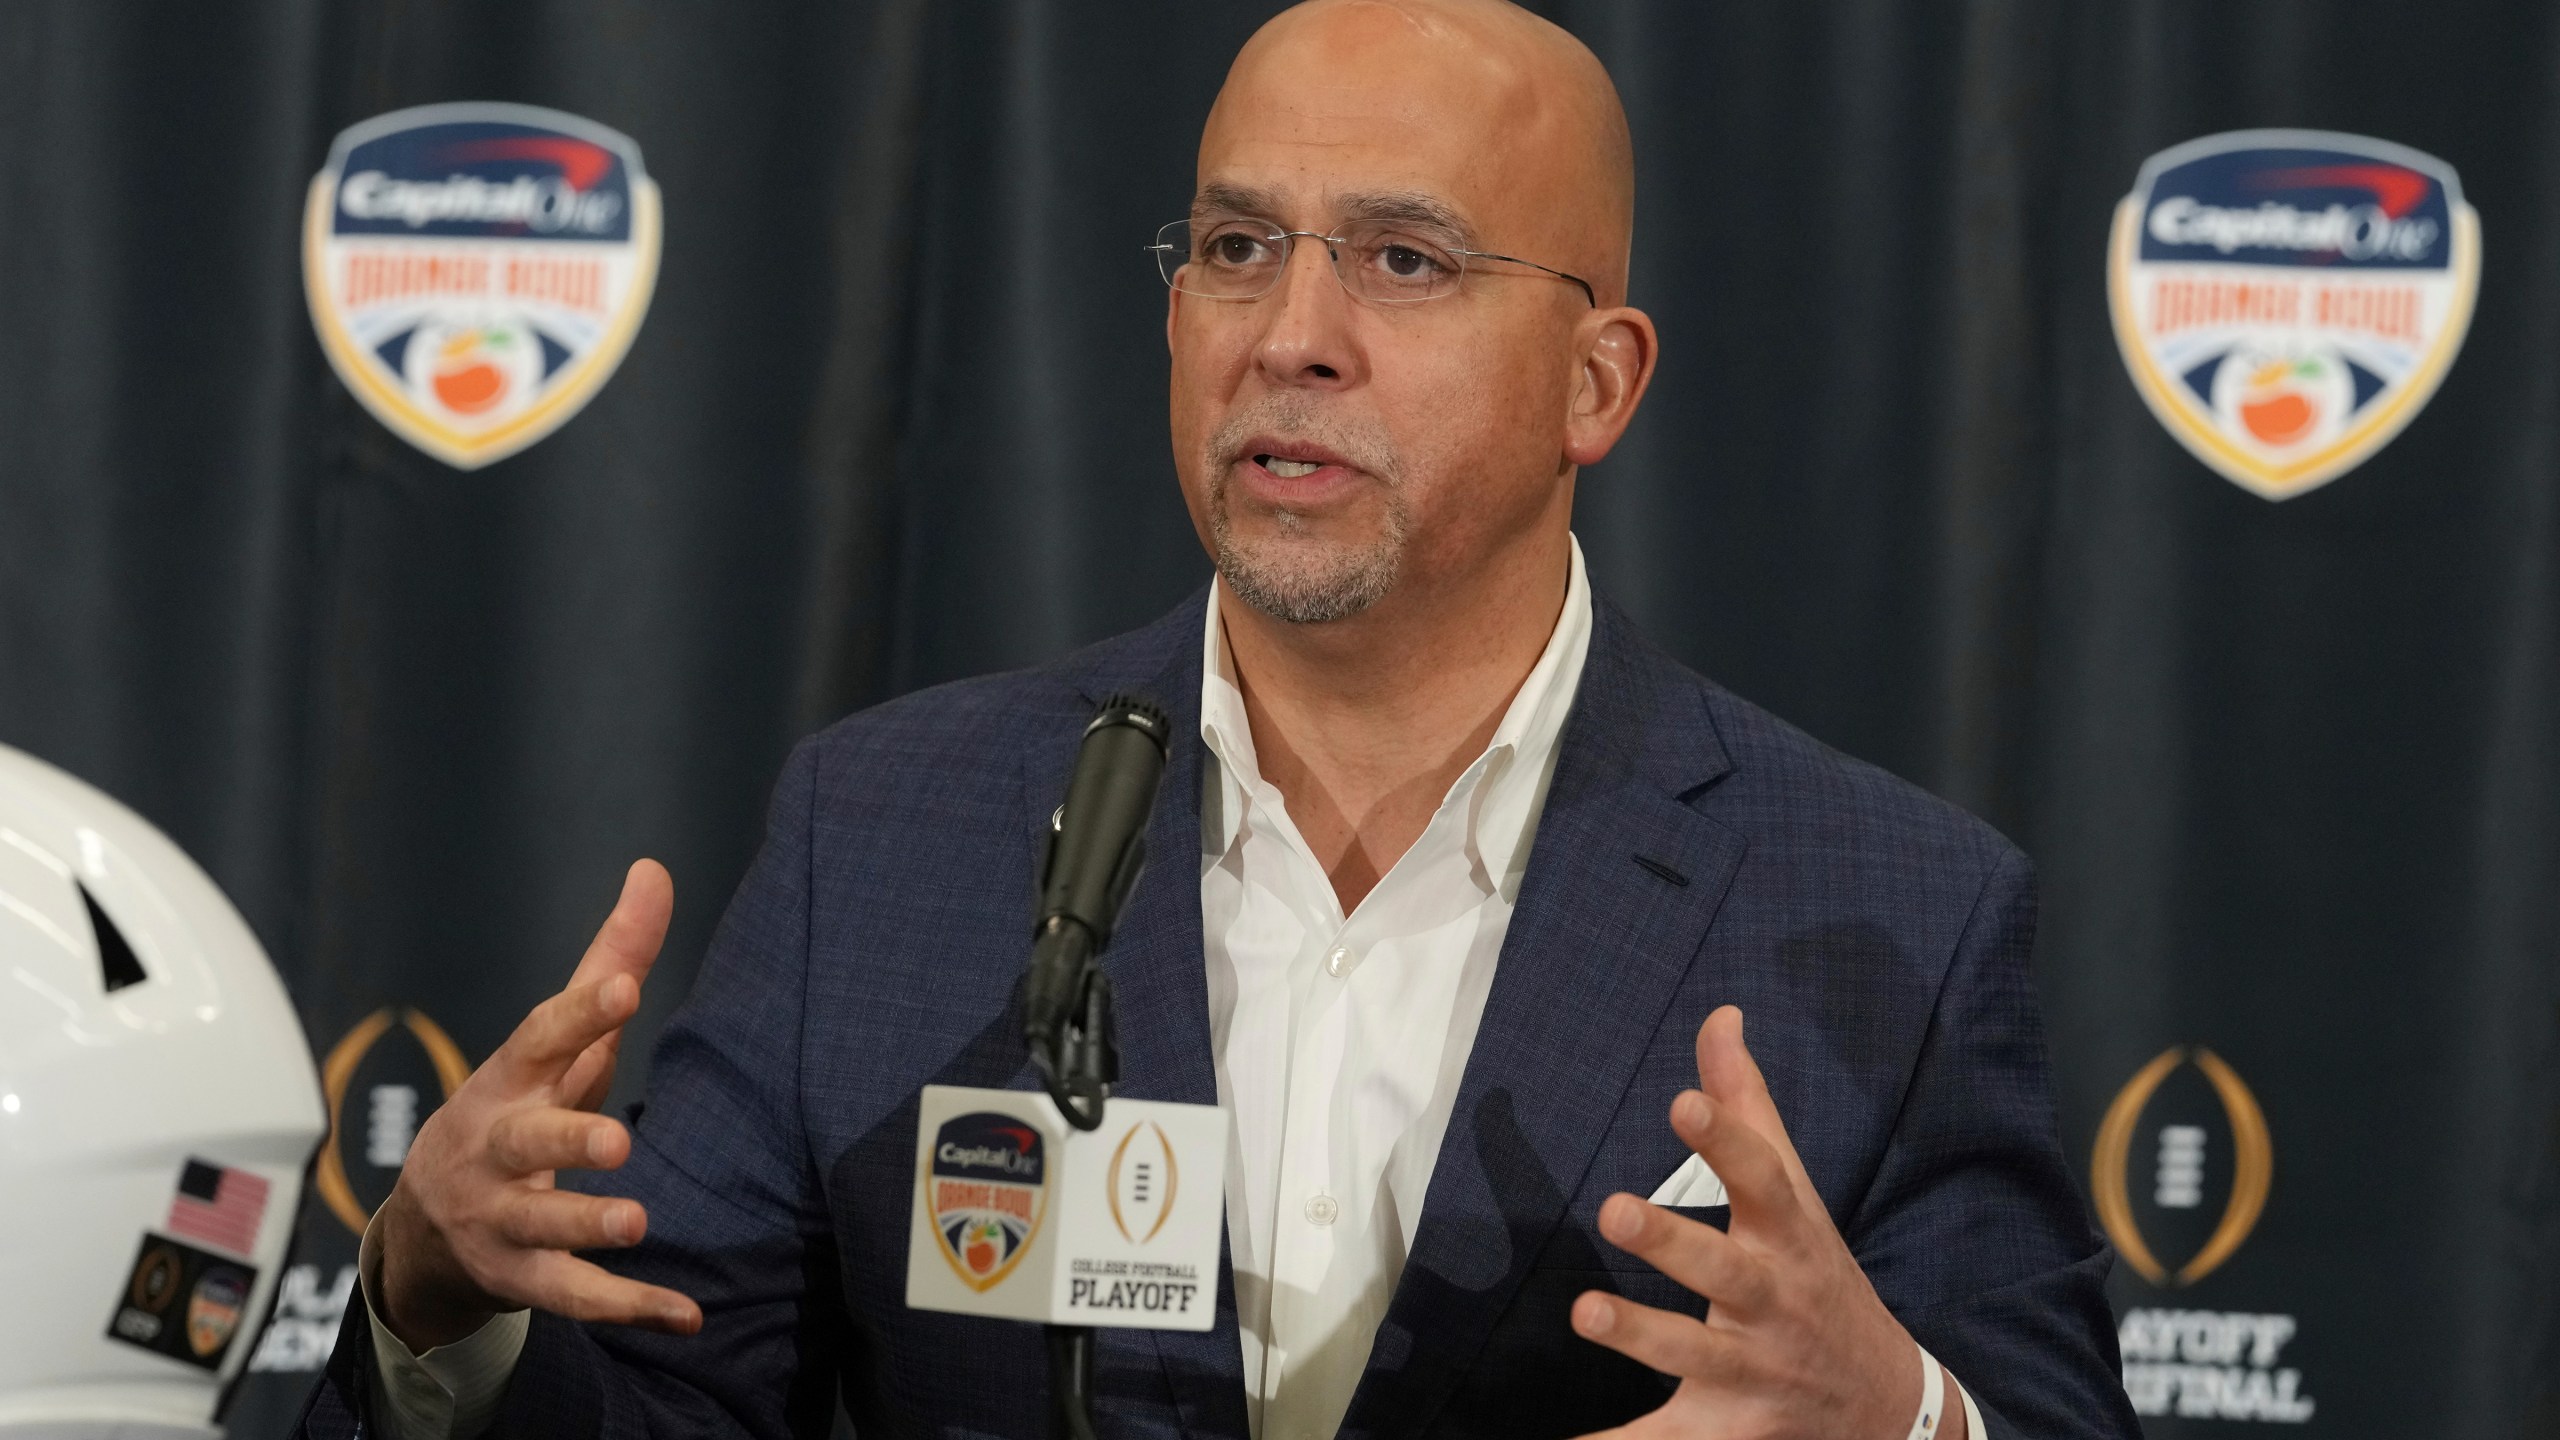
476 272
986 1190
213 1311
2288 300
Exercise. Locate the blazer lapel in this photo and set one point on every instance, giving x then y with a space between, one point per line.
1160 988
1598 945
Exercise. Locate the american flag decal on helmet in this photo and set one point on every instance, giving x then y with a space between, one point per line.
218 1205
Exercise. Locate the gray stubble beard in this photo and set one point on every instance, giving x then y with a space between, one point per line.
1307 583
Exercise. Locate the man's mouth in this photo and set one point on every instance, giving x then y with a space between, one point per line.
1286 458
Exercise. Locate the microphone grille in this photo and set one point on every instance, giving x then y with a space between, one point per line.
1139 713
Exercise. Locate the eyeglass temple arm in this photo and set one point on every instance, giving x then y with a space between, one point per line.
1587 292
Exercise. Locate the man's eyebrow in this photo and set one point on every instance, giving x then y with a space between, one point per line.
1410 207
1219 198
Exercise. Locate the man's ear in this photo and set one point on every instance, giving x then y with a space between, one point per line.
1617 348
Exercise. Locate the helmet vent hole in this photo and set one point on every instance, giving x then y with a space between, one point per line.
116 961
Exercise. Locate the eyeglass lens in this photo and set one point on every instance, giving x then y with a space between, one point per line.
1242 259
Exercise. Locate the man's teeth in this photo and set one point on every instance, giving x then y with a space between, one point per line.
1289 469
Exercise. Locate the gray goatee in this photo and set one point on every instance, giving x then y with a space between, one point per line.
1295 576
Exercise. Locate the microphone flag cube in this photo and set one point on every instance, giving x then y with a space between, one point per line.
1022 1216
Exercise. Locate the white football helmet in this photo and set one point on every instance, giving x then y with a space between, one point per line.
158 1109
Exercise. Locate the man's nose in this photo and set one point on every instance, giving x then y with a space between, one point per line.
1307 332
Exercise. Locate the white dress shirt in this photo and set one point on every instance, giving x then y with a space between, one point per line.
1340 1040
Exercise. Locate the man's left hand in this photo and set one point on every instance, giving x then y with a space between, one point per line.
1795 1342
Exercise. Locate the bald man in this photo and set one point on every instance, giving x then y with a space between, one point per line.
1485 889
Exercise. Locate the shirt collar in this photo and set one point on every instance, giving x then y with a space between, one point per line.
1507 783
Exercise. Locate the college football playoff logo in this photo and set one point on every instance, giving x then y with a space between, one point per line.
986 1191
476 271
2178 1178
2287 300
330 1173
1144 1178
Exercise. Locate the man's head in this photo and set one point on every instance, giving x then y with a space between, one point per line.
1337 450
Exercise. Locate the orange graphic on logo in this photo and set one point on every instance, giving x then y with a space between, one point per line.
981 1249
467 380
2273 409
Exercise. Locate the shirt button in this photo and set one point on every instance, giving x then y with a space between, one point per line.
1322 1209
1339 963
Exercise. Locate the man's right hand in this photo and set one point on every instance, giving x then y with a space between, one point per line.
475 1225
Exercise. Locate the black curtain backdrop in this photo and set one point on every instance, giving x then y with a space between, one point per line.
897 416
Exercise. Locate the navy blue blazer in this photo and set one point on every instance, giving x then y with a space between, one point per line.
1694 851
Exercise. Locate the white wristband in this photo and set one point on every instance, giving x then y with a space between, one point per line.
1933 1397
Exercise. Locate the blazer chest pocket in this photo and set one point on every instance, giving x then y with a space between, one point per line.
1536 1376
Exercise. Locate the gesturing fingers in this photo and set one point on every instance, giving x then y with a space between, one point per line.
590 1077
566 1285
1701 1257
565 1220
1656 1339
574 1042
1755 1178
1728 1075
561 1028
525 1141
627 943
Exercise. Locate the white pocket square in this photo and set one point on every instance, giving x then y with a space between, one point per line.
1691 1185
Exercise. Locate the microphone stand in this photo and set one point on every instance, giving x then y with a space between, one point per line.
1087 870
1079 1080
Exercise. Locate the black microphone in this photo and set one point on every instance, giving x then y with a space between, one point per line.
1097 845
